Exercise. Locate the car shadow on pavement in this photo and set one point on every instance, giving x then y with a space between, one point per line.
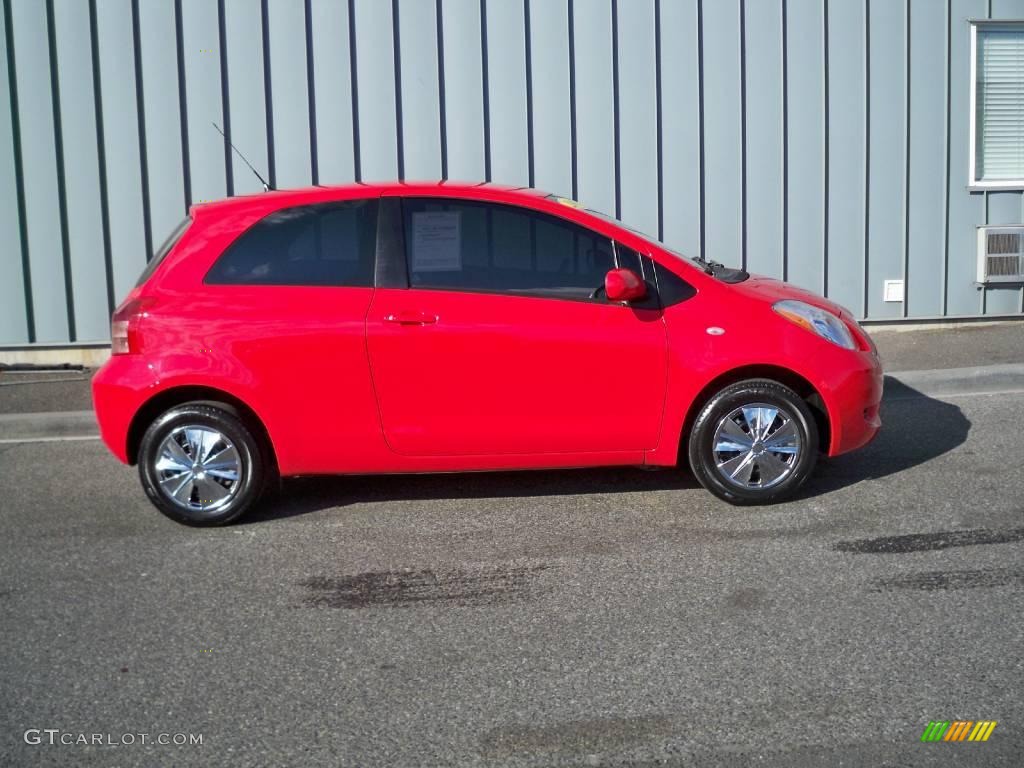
302 495
916 429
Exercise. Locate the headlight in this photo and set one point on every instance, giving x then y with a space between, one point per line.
819 321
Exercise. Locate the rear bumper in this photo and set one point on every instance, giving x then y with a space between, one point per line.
119 389
854 406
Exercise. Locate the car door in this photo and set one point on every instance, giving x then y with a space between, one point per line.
498 346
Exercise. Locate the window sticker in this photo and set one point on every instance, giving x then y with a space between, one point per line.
436 241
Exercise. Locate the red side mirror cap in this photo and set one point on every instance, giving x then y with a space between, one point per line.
624 285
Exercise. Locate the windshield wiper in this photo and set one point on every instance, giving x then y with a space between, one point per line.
708 266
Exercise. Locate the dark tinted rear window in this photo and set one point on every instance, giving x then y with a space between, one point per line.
326 244
164 249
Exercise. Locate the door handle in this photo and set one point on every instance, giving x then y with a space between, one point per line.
411 318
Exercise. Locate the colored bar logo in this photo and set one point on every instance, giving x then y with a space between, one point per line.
958 730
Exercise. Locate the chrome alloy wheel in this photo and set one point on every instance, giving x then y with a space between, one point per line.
198 468
756 446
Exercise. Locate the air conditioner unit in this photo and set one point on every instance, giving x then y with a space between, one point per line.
1000 254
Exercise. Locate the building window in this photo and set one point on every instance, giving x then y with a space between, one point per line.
997 88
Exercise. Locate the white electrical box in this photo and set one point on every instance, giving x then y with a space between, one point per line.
892 291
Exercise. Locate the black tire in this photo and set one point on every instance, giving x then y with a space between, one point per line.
242 493
705 463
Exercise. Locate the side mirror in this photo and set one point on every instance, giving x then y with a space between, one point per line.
624 285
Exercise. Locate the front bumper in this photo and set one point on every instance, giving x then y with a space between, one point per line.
855 405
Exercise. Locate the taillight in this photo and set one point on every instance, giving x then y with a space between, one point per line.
124 326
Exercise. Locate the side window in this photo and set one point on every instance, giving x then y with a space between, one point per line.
323 244
628 258
477 246
671 287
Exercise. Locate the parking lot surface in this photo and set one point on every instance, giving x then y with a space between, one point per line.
591 617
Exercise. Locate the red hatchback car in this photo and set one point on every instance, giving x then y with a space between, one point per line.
453 327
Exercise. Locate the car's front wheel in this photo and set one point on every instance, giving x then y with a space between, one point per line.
200 465
754 442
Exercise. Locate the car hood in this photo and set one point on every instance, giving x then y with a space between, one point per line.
770 290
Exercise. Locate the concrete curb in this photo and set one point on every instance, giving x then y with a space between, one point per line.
89 354
901 385
978 380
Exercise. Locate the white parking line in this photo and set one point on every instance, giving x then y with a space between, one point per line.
65 438
942 395
39 381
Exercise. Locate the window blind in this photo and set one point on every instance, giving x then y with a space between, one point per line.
1000 104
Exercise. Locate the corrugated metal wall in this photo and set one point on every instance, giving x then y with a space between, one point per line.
825 142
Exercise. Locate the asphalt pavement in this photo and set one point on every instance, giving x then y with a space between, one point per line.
572 618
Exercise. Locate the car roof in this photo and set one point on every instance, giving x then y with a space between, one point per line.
322 193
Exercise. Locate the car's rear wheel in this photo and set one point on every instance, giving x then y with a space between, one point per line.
200 465
754 442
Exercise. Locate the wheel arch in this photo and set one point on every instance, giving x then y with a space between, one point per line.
782 375
179 395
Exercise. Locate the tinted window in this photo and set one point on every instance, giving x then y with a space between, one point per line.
628 258
671 287
486 247
328 244
164 249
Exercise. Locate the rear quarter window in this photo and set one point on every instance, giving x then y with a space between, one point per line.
165 248
330 244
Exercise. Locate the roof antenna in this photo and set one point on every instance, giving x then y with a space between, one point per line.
266 187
